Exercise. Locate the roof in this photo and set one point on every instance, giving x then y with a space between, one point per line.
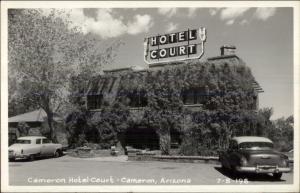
33 116
257 87
31 137
251 139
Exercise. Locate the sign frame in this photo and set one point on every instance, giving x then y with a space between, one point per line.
201 32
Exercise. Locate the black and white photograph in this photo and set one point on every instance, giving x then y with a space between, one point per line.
136 96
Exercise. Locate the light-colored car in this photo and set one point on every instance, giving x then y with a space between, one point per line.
31 147
249 154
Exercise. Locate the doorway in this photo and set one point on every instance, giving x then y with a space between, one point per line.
141 137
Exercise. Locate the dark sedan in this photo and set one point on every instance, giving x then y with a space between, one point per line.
249 154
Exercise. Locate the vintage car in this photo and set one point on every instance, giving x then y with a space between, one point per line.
290 155
249 154
31 147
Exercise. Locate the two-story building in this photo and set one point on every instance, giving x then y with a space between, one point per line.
217 84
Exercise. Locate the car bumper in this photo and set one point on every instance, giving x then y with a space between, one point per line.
263 169
18 156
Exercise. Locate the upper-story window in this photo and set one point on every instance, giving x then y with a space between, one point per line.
254 104
194 96
137 99
94 101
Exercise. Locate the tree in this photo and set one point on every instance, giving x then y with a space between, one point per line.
111 123
44 54
282 133
104 127
76 125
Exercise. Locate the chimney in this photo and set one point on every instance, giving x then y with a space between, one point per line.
227 50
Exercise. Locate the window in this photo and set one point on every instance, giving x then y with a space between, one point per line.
200 96
194 96
138 99
38 141
254 105
45 141
22 141
94 101
188 96
256 145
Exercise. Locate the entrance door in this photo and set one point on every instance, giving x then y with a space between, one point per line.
142 138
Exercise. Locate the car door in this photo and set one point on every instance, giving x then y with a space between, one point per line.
38 145
46 147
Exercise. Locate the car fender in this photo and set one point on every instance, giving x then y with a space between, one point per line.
57 147
235 159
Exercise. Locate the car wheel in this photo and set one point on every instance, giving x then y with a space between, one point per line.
31 158
57 154
277 176
12 159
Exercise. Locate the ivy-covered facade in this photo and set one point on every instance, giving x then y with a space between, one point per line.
175 105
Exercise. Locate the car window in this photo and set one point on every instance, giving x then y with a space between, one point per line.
46 141
23 141
38 141
256 145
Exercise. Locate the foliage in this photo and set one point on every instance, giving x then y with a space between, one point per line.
164 109
102 127
111 121
282 133
44 54
228 104
209 131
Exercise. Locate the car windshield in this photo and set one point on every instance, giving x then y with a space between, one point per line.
256 145
23 141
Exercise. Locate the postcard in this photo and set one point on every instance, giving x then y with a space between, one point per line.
150 96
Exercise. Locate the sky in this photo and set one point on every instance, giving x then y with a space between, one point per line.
263 38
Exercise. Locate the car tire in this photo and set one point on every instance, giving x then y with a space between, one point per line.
57 154
31 157
277 176
12 159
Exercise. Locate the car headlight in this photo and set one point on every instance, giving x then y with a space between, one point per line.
243 161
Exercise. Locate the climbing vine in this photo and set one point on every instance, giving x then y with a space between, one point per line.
223 89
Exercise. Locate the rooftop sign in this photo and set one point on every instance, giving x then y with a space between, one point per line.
175 46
